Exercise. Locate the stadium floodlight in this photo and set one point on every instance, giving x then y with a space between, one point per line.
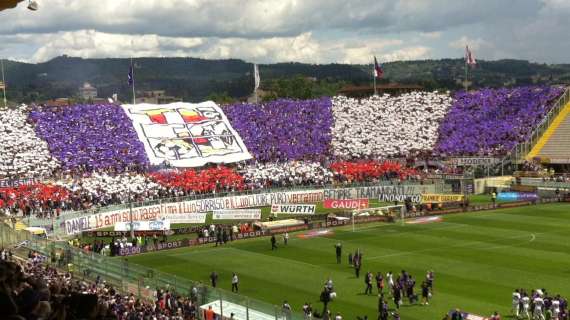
33 5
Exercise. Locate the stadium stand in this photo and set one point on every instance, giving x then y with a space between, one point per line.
292 173
385 126
23 153
90 137
284 130
312 142
493 121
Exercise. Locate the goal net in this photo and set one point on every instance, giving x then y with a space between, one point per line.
396 212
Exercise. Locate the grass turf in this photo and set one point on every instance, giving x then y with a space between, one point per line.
478 259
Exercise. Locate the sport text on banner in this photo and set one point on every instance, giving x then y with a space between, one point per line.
293 209
243 214
186 134
155 225
345 204
438 198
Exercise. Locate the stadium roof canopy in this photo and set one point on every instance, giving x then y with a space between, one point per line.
9 4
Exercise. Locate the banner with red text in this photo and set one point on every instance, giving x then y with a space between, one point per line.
346 204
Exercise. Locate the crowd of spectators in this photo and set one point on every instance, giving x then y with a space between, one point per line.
385 126
35 290
90 137
98 159
371 170
284 130
42 200
23 154
209 180
493 121
286 174
104 189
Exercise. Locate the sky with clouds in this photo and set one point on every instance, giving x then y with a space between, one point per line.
266 31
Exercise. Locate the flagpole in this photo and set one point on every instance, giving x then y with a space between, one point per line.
374 76
256 81
4 84
133 74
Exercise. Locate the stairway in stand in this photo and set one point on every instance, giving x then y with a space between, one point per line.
554 144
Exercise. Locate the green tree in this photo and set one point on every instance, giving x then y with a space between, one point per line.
220 98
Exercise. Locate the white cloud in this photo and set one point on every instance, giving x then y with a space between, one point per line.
283 30
407 53
431 35
473 43
303 48
93 44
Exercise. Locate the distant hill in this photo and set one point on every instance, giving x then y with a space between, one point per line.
194 79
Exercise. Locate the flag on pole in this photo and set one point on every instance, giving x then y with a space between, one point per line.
378 72
469 57
2 86
131 79
256 76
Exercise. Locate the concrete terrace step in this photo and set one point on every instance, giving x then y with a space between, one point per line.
558 145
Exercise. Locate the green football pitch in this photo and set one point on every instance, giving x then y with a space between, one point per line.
478 259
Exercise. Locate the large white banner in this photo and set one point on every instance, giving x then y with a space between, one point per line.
239 214
186 134
186 208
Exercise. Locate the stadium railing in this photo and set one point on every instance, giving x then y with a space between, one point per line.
139 280
9 237
518 152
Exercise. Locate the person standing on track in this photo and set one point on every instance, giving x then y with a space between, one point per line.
235 281
425 293
368 281
338 250
357 265
516 303
390 280
273 242
214 278
285 238
429 279
380 282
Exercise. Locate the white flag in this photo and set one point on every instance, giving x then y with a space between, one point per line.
256 76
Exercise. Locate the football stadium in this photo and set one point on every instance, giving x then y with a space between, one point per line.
376 200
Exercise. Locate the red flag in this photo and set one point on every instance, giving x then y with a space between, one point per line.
378 72
469 57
